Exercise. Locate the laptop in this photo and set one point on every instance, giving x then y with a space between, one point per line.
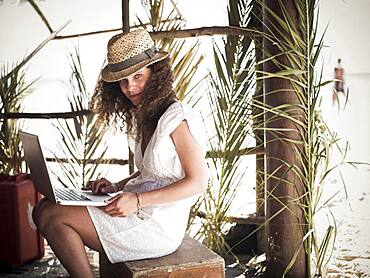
40 176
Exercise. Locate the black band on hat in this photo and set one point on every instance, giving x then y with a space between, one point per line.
147 54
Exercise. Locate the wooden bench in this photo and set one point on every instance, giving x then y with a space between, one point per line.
191 260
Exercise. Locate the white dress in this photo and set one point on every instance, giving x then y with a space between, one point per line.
162 228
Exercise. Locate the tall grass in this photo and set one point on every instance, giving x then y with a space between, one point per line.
13 89
231 86
184 54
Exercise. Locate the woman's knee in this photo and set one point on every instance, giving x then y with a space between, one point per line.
36 209
43 214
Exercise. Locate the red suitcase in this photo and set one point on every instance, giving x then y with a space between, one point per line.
19 241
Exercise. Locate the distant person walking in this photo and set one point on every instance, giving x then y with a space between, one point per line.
339 81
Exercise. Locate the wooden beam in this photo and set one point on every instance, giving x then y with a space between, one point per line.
246 151
65 160
259 134
205 31
131 162
57 115
90 161
249 219
125 16
186 33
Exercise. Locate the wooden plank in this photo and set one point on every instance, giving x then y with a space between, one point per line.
191 259
184 33
90 161
246 151
252 219
249 219
53 115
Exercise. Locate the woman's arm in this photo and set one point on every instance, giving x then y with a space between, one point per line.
195 169
194 181
121 184
103 186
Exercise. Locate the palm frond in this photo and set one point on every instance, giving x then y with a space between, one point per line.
13 89
81 138
231 86
185 55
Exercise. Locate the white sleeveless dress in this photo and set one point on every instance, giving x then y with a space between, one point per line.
162 228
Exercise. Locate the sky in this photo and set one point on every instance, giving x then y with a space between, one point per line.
25 31
348 35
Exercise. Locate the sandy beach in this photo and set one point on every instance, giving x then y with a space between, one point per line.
351 207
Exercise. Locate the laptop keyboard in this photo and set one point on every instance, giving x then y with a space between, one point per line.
69 195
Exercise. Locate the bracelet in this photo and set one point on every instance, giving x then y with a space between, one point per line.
138 203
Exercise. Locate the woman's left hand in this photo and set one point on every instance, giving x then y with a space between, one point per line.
123 205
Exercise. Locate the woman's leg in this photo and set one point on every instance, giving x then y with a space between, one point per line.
67 229
334 96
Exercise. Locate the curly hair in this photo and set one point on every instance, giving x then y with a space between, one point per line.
113 107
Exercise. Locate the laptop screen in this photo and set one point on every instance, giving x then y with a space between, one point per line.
35 160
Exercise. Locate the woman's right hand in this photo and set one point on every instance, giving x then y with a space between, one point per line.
102 186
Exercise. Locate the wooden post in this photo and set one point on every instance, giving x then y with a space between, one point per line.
131 166
260 163
125 16
284 228
258 131
126 29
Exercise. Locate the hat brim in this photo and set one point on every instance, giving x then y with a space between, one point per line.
110 76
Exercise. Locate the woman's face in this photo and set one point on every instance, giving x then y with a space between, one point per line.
133 86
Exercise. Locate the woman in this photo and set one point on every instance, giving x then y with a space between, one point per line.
338 81
148 218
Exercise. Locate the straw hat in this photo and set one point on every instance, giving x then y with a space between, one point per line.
128 53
